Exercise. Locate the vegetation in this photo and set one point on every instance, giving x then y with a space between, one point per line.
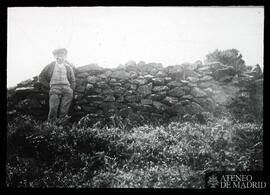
177 155
229 57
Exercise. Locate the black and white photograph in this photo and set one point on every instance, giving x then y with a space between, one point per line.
135 97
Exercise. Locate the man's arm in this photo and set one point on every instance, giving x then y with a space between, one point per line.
72 79
42 78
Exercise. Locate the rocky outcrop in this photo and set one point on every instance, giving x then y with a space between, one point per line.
144 92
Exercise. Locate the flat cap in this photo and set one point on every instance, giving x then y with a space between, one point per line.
60 51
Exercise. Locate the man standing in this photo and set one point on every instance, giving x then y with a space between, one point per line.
59 77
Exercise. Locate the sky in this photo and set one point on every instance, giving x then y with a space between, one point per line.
109 36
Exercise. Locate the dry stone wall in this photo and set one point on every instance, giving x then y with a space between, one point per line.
141 93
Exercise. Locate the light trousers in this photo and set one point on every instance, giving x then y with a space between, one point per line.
60 100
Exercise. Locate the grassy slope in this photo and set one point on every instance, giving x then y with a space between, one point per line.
176 155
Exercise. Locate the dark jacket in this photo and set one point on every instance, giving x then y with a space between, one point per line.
46 75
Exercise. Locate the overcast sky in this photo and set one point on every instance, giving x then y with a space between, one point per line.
110 36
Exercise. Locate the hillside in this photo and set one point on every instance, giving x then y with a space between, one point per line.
138 126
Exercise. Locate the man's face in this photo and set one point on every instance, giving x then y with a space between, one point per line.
60 58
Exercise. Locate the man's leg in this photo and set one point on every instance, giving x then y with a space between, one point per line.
54 103
65 101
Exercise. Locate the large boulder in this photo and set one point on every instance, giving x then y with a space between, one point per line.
224 74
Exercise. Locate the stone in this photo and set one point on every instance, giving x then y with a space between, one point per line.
198 63
107 91
184 81
159 96
124 112
82 75
89 109
132 98
192 79
77 108
80 89
120 74
94 98
116 84
139 81
159 106
141 64
207 103
28 104
108 107
25 83
256 72
146 101
80 81
102 85
191 85
224 74
186 89
109 98
197 92
133 86
259 83
175 84
113 80
118 90
191 73
178 76
223 95
206 78
161 74
176 92
92 79
187 117
102 76
148 76
211 67
189 107
205 84
129 92
89 86
158 81
145 89
167 79
160 88
173 69
146 108
34 104
177 72
188 97
209 91
150 68
133 74
120 99
107 73
170 100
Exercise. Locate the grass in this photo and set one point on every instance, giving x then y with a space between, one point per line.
175 155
